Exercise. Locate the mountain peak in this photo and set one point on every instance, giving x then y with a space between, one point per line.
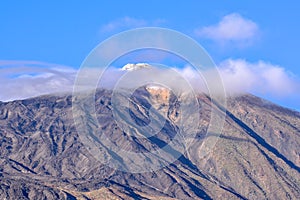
135 66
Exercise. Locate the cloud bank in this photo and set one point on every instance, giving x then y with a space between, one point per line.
20 80
233 29
25 79
240 76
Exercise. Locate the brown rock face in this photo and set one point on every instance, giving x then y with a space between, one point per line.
43 157
160 98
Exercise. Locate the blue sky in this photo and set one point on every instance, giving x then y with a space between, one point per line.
64 32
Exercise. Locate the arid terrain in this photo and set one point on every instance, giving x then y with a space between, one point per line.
256 157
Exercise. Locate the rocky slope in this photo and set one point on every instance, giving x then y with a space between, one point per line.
256 156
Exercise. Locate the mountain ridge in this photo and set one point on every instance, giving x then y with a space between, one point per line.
42 155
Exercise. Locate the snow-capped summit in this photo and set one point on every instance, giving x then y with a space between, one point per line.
136 66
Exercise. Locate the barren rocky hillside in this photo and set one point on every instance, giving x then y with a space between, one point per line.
256 157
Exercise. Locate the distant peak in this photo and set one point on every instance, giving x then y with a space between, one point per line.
135 66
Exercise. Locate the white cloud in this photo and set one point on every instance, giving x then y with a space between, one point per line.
263 78
24 79
238 76
20 80
232 28
129 22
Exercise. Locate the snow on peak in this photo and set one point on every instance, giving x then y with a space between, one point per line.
136 66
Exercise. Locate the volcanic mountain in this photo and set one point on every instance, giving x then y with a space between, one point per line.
42 155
